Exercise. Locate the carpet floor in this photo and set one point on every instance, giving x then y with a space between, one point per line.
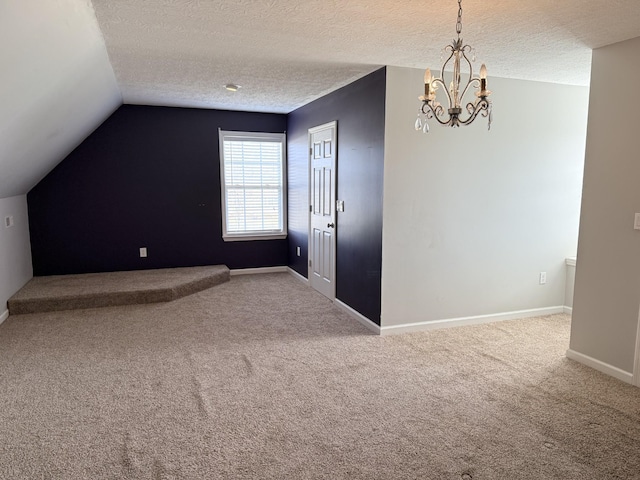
263 378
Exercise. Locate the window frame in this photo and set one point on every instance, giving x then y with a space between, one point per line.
231 135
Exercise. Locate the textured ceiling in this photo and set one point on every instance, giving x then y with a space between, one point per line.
286 53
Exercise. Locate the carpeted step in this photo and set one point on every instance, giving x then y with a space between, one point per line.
92 290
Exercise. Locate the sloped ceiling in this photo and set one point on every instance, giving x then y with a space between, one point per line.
56 86
287 52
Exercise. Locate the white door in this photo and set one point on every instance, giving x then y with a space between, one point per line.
322 211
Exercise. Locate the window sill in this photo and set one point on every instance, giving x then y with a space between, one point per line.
249 238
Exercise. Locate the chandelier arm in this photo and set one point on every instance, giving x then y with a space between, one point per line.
434 113
440 81
446 62
472 80
482 105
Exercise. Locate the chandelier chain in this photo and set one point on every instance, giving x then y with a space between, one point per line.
459 22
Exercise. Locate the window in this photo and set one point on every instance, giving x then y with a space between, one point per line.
252 171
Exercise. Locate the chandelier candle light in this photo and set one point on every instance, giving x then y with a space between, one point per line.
455 93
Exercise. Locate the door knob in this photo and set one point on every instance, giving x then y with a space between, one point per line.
331 225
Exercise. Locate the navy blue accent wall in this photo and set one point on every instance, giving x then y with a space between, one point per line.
147 177
359 109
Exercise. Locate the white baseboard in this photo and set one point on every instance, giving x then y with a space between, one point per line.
3 316
358 316
297 276
568 310
252 271
600 366
459 322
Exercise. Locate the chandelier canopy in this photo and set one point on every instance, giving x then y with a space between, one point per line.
455 93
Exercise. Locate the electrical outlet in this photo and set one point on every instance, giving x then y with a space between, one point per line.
636 224
543 278
8 221
298 251
143 252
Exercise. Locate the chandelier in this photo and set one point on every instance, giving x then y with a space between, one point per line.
455 93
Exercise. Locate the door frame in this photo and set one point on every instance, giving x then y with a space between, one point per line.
636 366
311 131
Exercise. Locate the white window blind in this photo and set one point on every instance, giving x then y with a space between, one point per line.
253 185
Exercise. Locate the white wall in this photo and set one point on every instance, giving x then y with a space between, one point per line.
15 249
472 217
56 86
607 290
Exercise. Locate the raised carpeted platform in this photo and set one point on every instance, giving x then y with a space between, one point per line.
91 290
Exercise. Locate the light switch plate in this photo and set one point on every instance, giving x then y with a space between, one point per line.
340 205
636 224
8 221
143 252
